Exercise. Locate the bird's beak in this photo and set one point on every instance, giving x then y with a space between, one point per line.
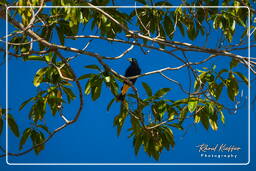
129 59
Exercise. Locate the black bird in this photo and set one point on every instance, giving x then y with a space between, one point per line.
132 70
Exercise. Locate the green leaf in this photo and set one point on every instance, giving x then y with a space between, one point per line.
24 137
197 118
222 117
96 90
169 136
110 103
243 77
120 118
232 86
142 1
13 126
213 124
216 22
60 33
1 125
25 103
44 127
93 67
176 125
179 24
34 58
69 93
183 114
210 107
162 92
233 63
137 141
107 79
48 58
35 140
39 76
219 90
86 76
168 26
147 89
114 87
192 106
87 90
200 80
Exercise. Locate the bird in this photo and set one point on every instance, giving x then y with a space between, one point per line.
132 70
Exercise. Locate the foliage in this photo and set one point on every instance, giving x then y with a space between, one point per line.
56 80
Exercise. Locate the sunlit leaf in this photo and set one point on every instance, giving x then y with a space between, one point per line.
219 90
87 87
110 104
222 117
39 76
69 93
137 141
197 118
213 124
192 106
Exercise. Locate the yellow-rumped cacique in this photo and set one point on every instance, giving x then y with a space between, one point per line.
132 70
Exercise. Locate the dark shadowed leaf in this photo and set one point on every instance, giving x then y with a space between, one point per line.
13 126
137 141
179 126
243 77
60 34
147 89
110 103
142 1
233 63
25 103
44 127
222 117
69 93
86 76
24 137
204 119
96 90
1 125
93 67
162 92
219 90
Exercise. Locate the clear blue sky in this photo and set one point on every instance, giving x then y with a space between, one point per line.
93 138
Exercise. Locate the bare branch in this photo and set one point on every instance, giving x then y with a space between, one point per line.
124 53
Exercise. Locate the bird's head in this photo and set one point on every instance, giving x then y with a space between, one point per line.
132 60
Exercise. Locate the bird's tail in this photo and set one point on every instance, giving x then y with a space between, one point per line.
121 96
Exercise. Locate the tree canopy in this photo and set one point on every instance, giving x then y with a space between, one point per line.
40 33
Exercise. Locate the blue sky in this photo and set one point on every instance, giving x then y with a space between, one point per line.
93 138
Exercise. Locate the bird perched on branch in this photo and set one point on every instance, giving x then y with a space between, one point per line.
132 70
